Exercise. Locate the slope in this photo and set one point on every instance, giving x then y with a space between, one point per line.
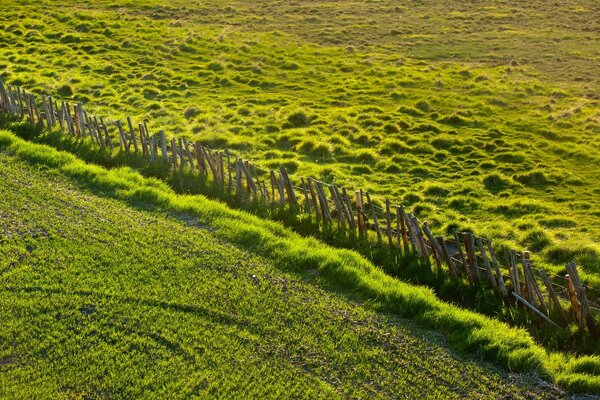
104 299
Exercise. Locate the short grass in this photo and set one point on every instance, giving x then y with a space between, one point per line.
480 116
333 268
104 299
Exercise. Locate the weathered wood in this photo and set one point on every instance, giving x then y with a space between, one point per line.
4 105
463 258
553 296
535 310
133 139
388 220
200 158
189 154
447 258
307 207
288 186
435 246
499 278
585 315
221 169
533 283
70 120
276 183
350 212
336 203
347 213
360 212
182 157
60 114
313 197
211 164
163 147
99 132
239 186
81 120
30 112
323 201
486 263
229 178
143 139
249 179
46 109
174 153
401 222
51 109
515 272
374 217
418 235
154 149
575 308
123 139
471 257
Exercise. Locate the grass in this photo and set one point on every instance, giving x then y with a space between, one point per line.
333 268
152 303
390 97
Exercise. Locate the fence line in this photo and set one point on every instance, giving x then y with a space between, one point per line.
464 256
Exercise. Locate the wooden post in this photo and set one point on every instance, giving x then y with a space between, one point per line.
180 152
51 109
313 197
323 201
249 179
221 169
435 246
163 147
143 140
472 258
374 216
4 105
174 153
388 220
584 316
533 283
132 136
401 224
486 263
360 212
81 120
306 198
70 119
463 258
200 158
239 188
229 179
418 235
349 210
553 296
515 272
446 253
499 277
338 207
288 186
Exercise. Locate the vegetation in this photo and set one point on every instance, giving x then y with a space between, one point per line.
334 268
394 98
151 303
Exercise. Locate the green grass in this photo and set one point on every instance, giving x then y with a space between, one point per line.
333 268
150 303
495 104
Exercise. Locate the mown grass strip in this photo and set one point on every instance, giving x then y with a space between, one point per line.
344 269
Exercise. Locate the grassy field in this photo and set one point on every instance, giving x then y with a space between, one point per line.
333 269
480 116
102 298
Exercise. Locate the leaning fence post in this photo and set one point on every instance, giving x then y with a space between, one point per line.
553 296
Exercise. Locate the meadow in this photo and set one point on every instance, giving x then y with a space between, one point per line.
152 303
479 117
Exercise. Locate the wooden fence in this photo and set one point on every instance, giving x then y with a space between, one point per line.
463 256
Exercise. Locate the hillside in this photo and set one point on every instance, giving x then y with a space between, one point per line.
104 298
478 116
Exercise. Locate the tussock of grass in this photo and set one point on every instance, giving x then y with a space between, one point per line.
343 269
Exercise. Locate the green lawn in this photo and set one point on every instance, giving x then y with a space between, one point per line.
476 115
102 299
